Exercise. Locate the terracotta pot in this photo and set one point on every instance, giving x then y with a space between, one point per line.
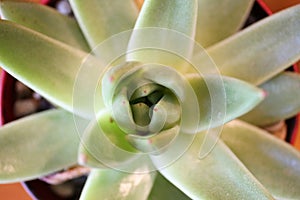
277 5
295 139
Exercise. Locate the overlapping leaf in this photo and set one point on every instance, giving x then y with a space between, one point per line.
46 65
38 145
45 20
282 100
101 19
113 184
262 50
211 26
220 175
273 162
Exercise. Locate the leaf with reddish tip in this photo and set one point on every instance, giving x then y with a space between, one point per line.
221 98
282 100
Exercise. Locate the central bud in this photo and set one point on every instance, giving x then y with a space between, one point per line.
143 102
146 103
154 108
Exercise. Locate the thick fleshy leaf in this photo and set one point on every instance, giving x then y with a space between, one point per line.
113 184
164 32
163 189
154 144
220 19
178 15
45 20
38 145
101 19
104 144
46 65
222 99
273 162
259 52
282 100
219 175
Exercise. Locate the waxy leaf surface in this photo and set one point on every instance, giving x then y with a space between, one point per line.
220 175
219 19
282 100
45 20
113 184
262 50
46 65
38 145
101 19
273 162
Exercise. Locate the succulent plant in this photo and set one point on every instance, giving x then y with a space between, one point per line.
150 100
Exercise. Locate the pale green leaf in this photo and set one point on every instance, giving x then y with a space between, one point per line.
273 162
38 145
112 184
156 143
282 100
45 20
222 99
46 65
164 32
105 144
101 19
262 50
219 175
178 15
219 19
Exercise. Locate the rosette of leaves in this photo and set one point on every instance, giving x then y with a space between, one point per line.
149 103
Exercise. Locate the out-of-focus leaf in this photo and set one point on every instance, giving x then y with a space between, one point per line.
273 162
45 20
219 175
139 3
220 19
101 19
222 99
38 145
163 189
262 50
113 184
46 65
282 101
